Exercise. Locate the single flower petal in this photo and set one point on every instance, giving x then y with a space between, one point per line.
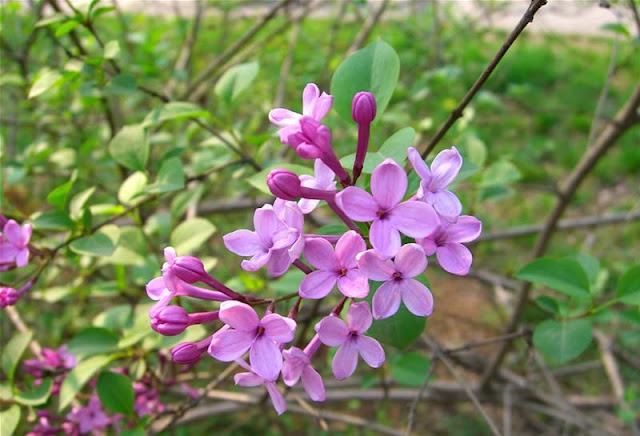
410 260
319 253
22 258
445 203
248 379
322 106
170 254
279 262
345 360
156 288
307 205
277 399
417 298
348 247
324 176
370 350
359 317
354 284
318 284
265 358
428 244
384 237
283 117
419 165
294 363
454 258
243 243
13 233
386 300
256 262
8 252
276 328
414 218
358 204
310 95
228 345
239 315
312 383
445 168
466 229
388 184
332 331
266 224
375 266
284 237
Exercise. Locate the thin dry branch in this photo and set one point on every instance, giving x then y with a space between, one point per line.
457 112
623 121
184 58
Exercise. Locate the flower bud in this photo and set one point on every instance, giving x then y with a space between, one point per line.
170 321
8 297
284 184
363 108
187 353
189 269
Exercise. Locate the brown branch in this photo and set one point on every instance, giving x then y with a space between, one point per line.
184 58
223 58
416 401
609 136
457 112
15 318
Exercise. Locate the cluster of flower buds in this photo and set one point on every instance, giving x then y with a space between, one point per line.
373 251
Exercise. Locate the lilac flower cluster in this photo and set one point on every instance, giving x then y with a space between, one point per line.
14 253
430 221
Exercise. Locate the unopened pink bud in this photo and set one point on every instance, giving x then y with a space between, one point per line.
187 353
189 269
284 184
363 108
8 297
170 321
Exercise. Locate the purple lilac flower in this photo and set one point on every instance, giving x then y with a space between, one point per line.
173 320
147 399
290 214
268 245
398 282
384 208
250 379
324 180
45 427
446 242
52 362
335 267
90 418
14 243
297 366
444 170
314 105
246 332
333 332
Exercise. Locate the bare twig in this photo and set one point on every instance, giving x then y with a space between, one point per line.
609 136
15 318
457 112
604 94
182 63
423 388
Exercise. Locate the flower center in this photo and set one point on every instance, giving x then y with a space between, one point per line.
381 213
260 331
343 272
397 276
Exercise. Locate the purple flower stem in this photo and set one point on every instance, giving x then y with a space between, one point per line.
332 162
302 267
313 346
334 206
227 291
203 317
293 313
330 238
364 130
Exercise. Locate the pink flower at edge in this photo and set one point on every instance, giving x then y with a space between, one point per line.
335 267
14 243
444 169
246 332
324 180
333 332
399 284
249 379
314 105
297 366
446 242
383 206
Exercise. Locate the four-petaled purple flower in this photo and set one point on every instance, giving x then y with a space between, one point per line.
14 243
384 208
398 282
314 105
335 267
333 332
90 418
246 332
324 180
444 169
446 242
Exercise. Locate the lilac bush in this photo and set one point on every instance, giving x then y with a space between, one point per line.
398 231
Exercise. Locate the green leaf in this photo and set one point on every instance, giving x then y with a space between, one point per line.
132 187
374 68
122 84
53 220
170 177
98 244
183 200
410 369
590 265
9 420
548 304
174 111
13 351
114 318
36 396
91 341
79 376
259 180
563 275
618 28
50 19
45 82
58 197
561 341
501 172
79 201
235 80
131 248
115 392
130 147
629 286
111 50
66 27
190 234
394 147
